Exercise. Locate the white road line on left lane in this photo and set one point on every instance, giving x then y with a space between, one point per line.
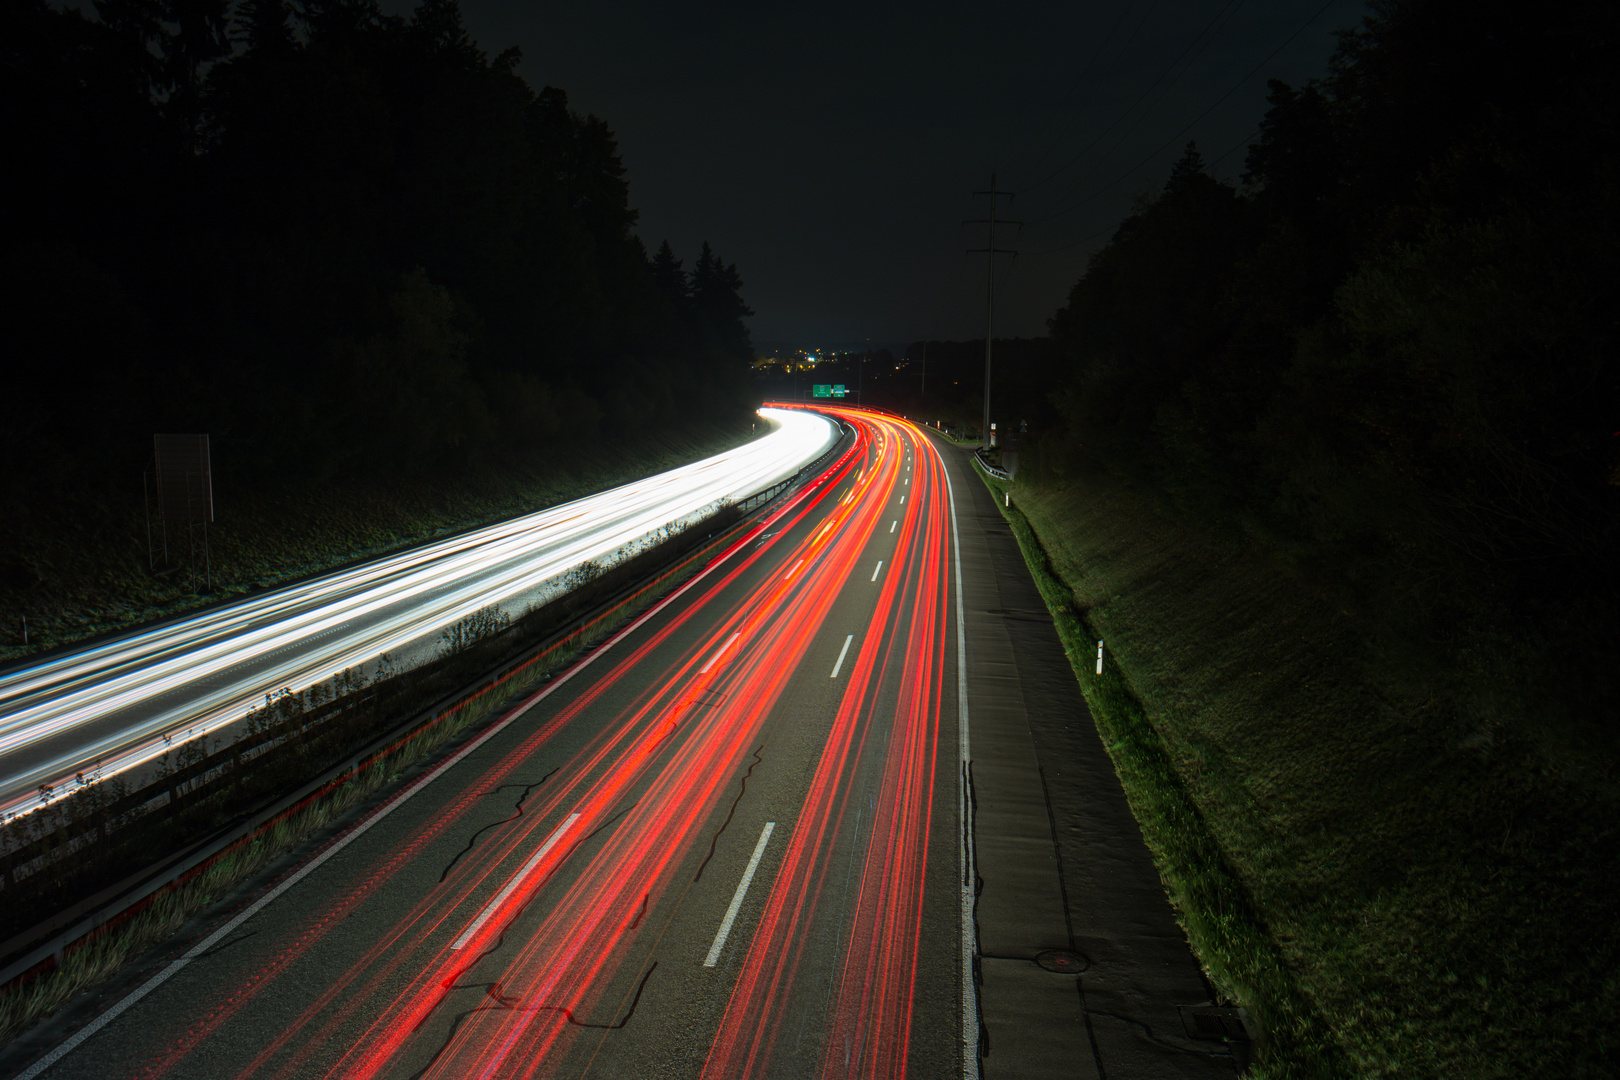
512 886
737 898
718 653
74 1041
841 654
878 571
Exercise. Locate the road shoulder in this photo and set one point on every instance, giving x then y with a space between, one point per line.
1065 879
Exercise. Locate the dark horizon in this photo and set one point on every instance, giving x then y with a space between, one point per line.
831 155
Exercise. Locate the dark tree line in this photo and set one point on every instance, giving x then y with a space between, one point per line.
336 239
1394 352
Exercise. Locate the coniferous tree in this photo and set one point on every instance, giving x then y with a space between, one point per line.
242 237
719 309
671 280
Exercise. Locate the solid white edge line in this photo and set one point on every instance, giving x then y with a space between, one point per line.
970 930
878 571
78 1037
841 654
512 886
718 653
737 897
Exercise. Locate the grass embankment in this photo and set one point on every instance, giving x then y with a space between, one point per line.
79 569
102 954
1388 893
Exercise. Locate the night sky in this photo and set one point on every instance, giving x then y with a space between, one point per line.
829 150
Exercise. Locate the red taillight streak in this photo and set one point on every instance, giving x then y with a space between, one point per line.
629 866
873 1008
433 910
647 845
754 1014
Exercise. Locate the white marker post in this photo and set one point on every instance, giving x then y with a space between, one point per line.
1099 658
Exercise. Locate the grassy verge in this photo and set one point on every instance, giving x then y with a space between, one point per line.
1211 902
78 569
29 1000
1393 890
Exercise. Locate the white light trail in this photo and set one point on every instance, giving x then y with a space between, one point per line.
114 706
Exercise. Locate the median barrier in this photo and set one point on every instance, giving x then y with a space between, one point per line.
190 812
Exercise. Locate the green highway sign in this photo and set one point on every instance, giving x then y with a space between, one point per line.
824 390
838 390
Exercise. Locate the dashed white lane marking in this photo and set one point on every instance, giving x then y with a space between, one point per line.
512 886
902 498
893 523
737 898
411 789
718 653
841 654
793 569
878 571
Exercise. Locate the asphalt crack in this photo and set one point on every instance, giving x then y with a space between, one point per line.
741 791
499 1002
517 813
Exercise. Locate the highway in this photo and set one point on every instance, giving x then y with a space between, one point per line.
105 710
728 844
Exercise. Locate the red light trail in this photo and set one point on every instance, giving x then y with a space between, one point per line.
555 933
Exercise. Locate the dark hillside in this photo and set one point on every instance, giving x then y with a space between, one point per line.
1335 464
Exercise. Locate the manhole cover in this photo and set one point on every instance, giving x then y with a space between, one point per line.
1062 961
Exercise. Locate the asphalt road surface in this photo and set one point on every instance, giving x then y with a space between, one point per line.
726 846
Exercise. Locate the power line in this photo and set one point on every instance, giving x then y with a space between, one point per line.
1075 244
1235 146
1231 5
1194 123
1124 9
1068 106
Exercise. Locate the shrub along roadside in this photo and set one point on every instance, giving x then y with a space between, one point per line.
79 570
28 1000
1212 905
1446 900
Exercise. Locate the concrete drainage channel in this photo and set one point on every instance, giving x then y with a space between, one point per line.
633 586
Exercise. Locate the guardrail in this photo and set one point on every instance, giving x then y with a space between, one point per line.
999 474
193 784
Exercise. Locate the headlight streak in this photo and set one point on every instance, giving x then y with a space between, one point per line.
113 706
570 935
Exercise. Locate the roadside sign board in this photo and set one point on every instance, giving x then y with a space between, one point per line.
823 390
838 390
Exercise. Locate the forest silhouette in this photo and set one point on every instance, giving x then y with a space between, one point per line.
1389 357
340 241
1395 356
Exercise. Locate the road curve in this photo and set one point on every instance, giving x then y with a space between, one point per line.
111 707
727 845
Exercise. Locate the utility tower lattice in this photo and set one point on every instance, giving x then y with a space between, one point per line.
990 254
